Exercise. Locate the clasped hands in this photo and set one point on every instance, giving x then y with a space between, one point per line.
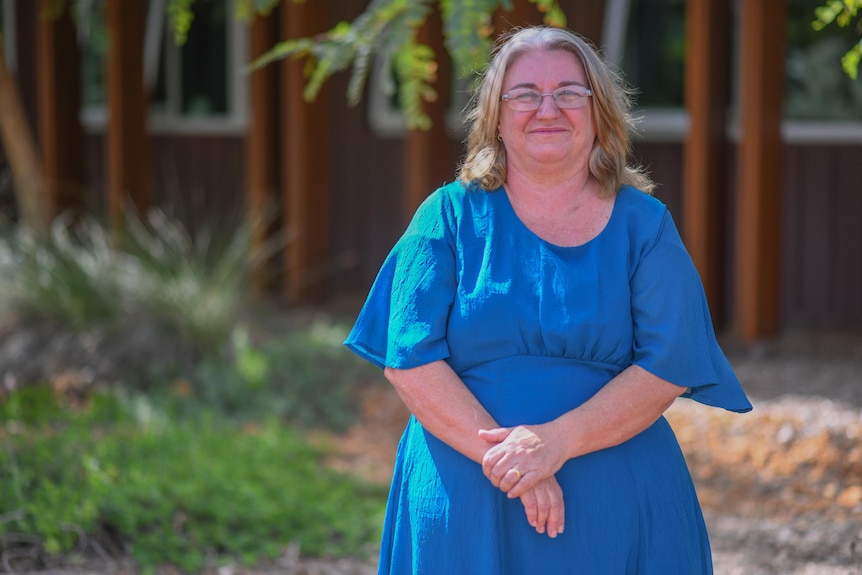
522 462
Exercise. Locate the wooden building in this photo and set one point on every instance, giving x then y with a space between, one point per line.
769 207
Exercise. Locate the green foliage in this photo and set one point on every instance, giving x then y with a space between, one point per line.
246 9
416 67
845 13
68 275
82 274
172 492
305 377
468 31
181 17
389 27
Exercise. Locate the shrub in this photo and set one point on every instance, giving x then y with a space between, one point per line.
173 492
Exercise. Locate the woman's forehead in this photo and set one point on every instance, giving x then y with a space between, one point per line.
543 64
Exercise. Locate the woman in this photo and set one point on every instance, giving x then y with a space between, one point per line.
537 317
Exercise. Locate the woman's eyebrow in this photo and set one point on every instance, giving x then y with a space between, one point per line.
533 86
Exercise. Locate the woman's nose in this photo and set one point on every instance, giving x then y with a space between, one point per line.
548 107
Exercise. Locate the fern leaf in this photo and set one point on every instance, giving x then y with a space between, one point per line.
467 29
416 68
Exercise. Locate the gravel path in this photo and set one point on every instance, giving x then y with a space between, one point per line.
791 487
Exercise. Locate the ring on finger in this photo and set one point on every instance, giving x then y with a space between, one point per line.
518 473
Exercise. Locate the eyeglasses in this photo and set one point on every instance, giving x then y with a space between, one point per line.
527 100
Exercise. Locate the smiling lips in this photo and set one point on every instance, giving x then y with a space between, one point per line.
548 130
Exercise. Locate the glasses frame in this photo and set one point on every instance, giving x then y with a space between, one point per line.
507 97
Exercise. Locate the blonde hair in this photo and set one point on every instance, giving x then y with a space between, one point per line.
485 161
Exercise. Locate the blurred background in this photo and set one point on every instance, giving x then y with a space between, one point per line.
185 238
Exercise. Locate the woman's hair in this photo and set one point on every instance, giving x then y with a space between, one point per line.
485 162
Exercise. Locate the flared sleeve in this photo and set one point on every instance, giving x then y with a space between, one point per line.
403 321
673 332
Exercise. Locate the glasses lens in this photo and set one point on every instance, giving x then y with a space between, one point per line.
569 98
524 100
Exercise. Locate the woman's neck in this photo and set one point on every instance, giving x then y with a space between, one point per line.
567 212
551 192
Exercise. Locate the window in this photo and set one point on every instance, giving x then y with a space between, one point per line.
654 57
817 88
646 39
194 88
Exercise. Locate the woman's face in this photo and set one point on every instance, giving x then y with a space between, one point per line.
548 135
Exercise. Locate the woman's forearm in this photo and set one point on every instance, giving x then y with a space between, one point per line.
445 407
626 406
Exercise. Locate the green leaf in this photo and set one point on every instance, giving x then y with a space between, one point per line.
247 9
554 15
850 61
181 16
416 68
842 12
467 29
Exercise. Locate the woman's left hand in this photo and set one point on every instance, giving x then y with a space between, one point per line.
521 457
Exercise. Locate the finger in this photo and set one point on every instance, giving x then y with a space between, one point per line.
489 462
510 479
494 435
528 500
495 457
543 507
556 518
528 480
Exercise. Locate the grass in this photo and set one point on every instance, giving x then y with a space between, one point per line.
202 461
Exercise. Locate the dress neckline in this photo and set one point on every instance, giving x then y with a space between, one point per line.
511 211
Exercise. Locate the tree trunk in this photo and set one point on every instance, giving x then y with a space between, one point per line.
20 146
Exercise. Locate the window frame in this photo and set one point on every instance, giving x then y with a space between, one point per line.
10 38
171 120
672 124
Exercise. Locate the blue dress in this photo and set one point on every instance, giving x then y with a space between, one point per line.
534 330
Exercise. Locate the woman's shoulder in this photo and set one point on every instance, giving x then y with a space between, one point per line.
457 200
445 208
641 202
643 210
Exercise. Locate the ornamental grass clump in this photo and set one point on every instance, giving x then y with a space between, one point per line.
83 273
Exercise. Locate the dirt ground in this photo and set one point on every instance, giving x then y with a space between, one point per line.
781 487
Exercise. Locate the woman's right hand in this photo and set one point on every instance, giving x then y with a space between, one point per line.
544 506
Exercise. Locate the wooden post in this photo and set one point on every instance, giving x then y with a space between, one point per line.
305 164
704 162
59 96
127 144
426 158
758 240
261 144
20 146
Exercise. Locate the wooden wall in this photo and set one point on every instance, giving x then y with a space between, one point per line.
822 248
821 284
